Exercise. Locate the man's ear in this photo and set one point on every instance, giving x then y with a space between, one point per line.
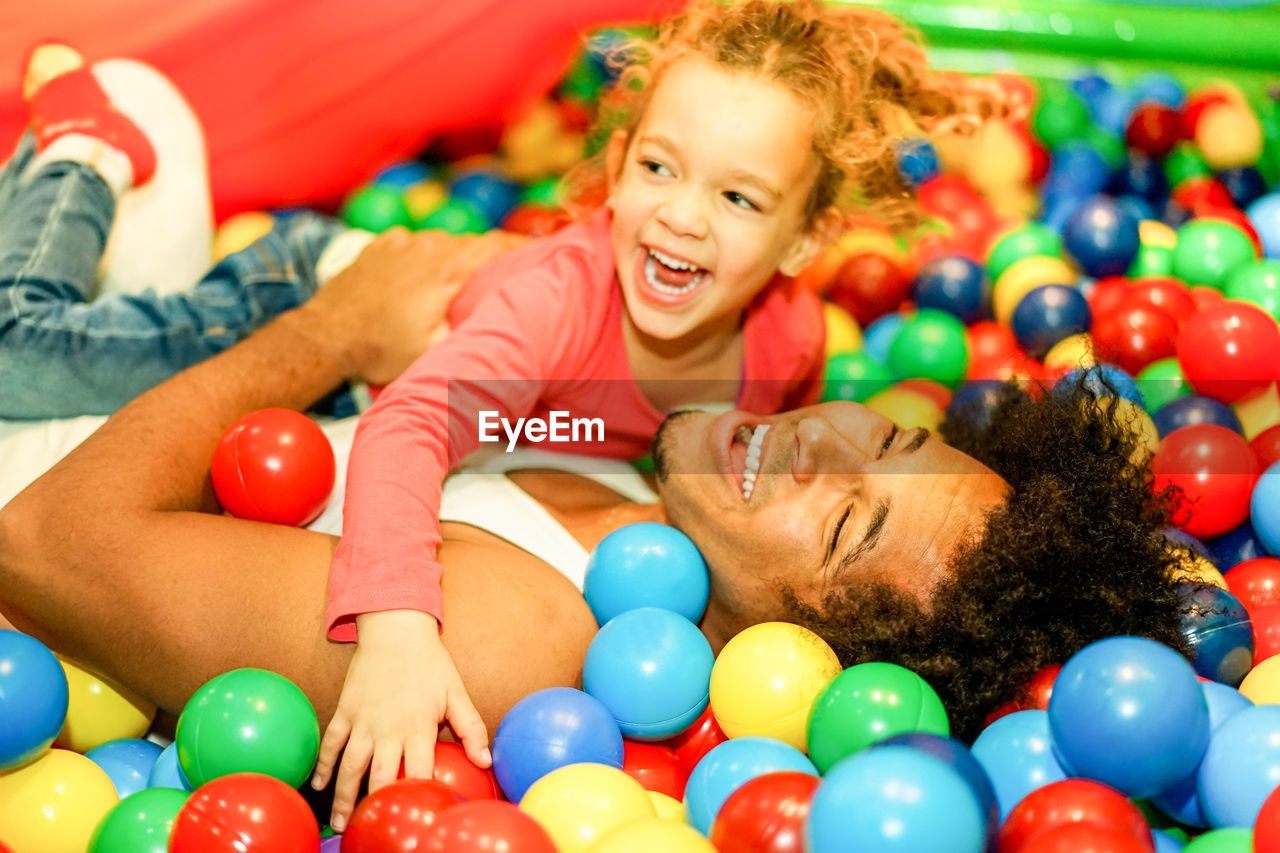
614 155
826 227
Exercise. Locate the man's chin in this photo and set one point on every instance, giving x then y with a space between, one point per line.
666 443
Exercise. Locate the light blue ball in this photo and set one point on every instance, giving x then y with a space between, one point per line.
728 767
1264 509
33 699
166 772
1161 87
1129 712
879 336
652 669
646 565
1017 754
1180 801
1122 384
1264 216
894 798
1240 767
127 762
1166 843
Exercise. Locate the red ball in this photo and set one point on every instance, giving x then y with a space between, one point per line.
1200 192
1228 350
456 772
993 351
1135 334
397 817
1154 129
1266 632
869 285
245 813
1205 296
485 826
765 815
1195 106
1167 294
1256 582
938 393
273 465
1035 697
535 220
655 767
1105 294
1072 801
1266 826
697 740
1087 838
1214 471
1267 445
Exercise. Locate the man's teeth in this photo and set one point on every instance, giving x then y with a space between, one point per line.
651 274
752 466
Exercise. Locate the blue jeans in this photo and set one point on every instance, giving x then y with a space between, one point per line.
64 353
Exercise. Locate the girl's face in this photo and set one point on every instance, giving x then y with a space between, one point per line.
709 197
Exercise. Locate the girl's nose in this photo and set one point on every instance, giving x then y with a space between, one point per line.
683 214
822 449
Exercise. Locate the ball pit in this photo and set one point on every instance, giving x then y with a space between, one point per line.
33 699
729 766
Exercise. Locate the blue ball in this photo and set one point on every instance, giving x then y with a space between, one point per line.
1264 216
917 160
549 729
491 193
1136 207
879 336
166 772
1161 87
1166 843
957 756
953 284
1049 314
975 403
128 763
1142 176
1113 110
1188 411
1245 184
1219 631
1235 546
1057 207
1079 167
33 699
646 565
1264 509
1180 801
1091 88
403 175
652 669
1017 754
1240 767
1097 378
1129 712
1102 237
1186 540
729 766
894 798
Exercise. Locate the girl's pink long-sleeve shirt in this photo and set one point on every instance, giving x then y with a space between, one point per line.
537 330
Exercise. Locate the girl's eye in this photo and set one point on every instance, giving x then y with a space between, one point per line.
654 167
741 200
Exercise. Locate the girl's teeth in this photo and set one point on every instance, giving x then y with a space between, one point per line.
651 276
674 263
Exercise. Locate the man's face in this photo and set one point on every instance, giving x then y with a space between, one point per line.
839 496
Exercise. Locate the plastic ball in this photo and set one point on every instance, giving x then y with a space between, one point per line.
491 193
1228 135
1262 685
898 798
1245 184
33 699
376 208
1048 315
993 351
652 833
1161 382
930 345
127 763
581 803
1240 766
140 823
1266 829
99 710
248 720
1029 240
868 703
1264 509
1264 215
53 804
1266 633
1208 251
766 815
240 231
766 678
958 757
248 813
855 377
1258 412
666 808
549 729
1192 410
843 333
1217 627
1135 334
906 408
397 817
167 771
456 772
1257 283
1227 350
867 285
954 284
975 403
1072 801
1025 276
1142 177
879 336
650 667
1256 582
697 740
484 826
423 199
1060 115
1267 445
273 465
1087 836
656 767
917 160
1102 237
1128 712
1230 840
403 174
1104 381
646 565
731 765
1016 753
1214 472
456 216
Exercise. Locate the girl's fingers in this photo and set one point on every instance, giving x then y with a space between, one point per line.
330 747
354 761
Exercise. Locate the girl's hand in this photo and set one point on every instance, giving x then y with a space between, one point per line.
400 686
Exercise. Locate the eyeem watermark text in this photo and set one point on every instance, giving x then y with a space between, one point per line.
560 427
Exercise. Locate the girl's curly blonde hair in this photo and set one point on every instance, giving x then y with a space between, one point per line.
862 71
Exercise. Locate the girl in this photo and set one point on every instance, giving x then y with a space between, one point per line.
746 130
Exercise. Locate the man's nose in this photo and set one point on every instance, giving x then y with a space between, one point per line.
822 449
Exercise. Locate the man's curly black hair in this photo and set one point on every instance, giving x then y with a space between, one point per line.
1074 555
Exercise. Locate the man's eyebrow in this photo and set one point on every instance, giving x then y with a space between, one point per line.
918 441
869 539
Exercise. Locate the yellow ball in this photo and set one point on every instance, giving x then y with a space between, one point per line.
905 408
1196 569
1258 412
99 711
422 199
53 804
1262 685
239 231
765 681
843 332
1024 276
1229 135
1136 420
1072 352
580 803
651 834
873 240
1157 235
667 808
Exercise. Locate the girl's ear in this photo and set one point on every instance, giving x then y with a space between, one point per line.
826 227
614 155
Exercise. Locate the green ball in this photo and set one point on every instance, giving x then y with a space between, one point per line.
1108 145
543 193
1060 115
1233 839
1151 261
1185 161
1258 283
455 216
140 823
1161 382
854 376
868 703
930 345
1024 242
375 208
1209 251
248 721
